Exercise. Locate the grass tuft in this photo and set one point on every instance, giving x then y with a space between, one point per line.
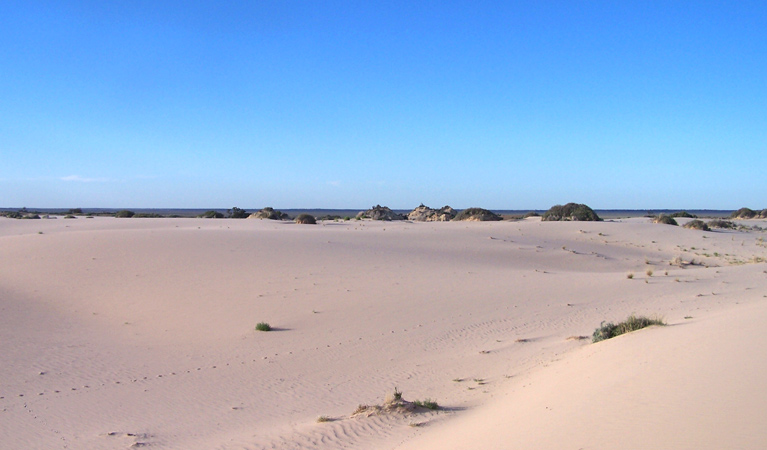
426 403
263 326
632 323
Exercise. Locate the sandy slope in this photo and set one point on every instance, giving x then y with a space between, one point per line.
122 332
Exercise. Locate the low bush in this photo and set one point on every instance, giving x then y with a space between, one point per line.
744 213
684 214
666 220
125 213
570 211
477 214
697 225
719 223
211 215
263 326
632 323
306 219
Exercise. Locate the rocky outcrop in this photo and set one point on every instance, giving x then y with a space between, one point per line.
269 213
379 212
426 214
570 211
477 215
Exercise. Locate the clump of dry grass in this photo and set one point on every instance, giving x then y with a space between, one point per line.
630 275
395 404
632 323
697 225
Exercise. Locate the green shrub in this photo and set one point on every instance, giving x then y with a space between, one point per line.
719 223
531 214
697 225
666 220
684 214
744 213
211 215
125 213
263 326
426 403
570 211
306 219
478 214
237 213
632 323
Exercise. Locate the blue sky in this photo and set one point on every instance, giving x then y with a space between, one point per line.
347 104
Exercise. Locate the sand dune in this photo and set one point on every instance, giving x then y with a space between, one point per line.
140 332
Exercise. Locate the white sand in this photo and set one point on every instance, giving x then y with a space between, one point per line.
123 332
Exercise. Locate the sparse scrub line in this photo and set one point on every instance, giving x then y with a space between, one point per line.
632 323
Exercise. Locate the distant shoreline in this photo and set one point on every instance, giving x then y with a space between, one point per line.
350 212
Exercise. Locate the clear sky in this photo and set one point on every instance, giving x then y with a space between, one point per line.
347 104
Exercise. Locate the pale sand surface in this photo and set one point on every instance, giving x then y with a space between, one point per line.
140 332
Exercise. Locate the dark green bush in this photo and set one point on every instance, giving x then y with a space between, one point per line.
666 220
744 213
570 211
478 214
306 219
237 213
697 225
125 213
263 326
719 223
684 214
211 215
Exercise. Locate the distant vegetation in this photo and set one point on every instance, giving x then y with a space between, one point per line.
477 214
306 219
125 213
211 215
237 213
697 225
632 323
570 211
684 214
269 213
666 220
379 212
720 223
747 213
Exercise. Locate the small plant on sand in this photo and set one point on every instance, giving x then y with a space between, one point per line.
322 419
630 275
426 403
649 272
263 326
632 323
